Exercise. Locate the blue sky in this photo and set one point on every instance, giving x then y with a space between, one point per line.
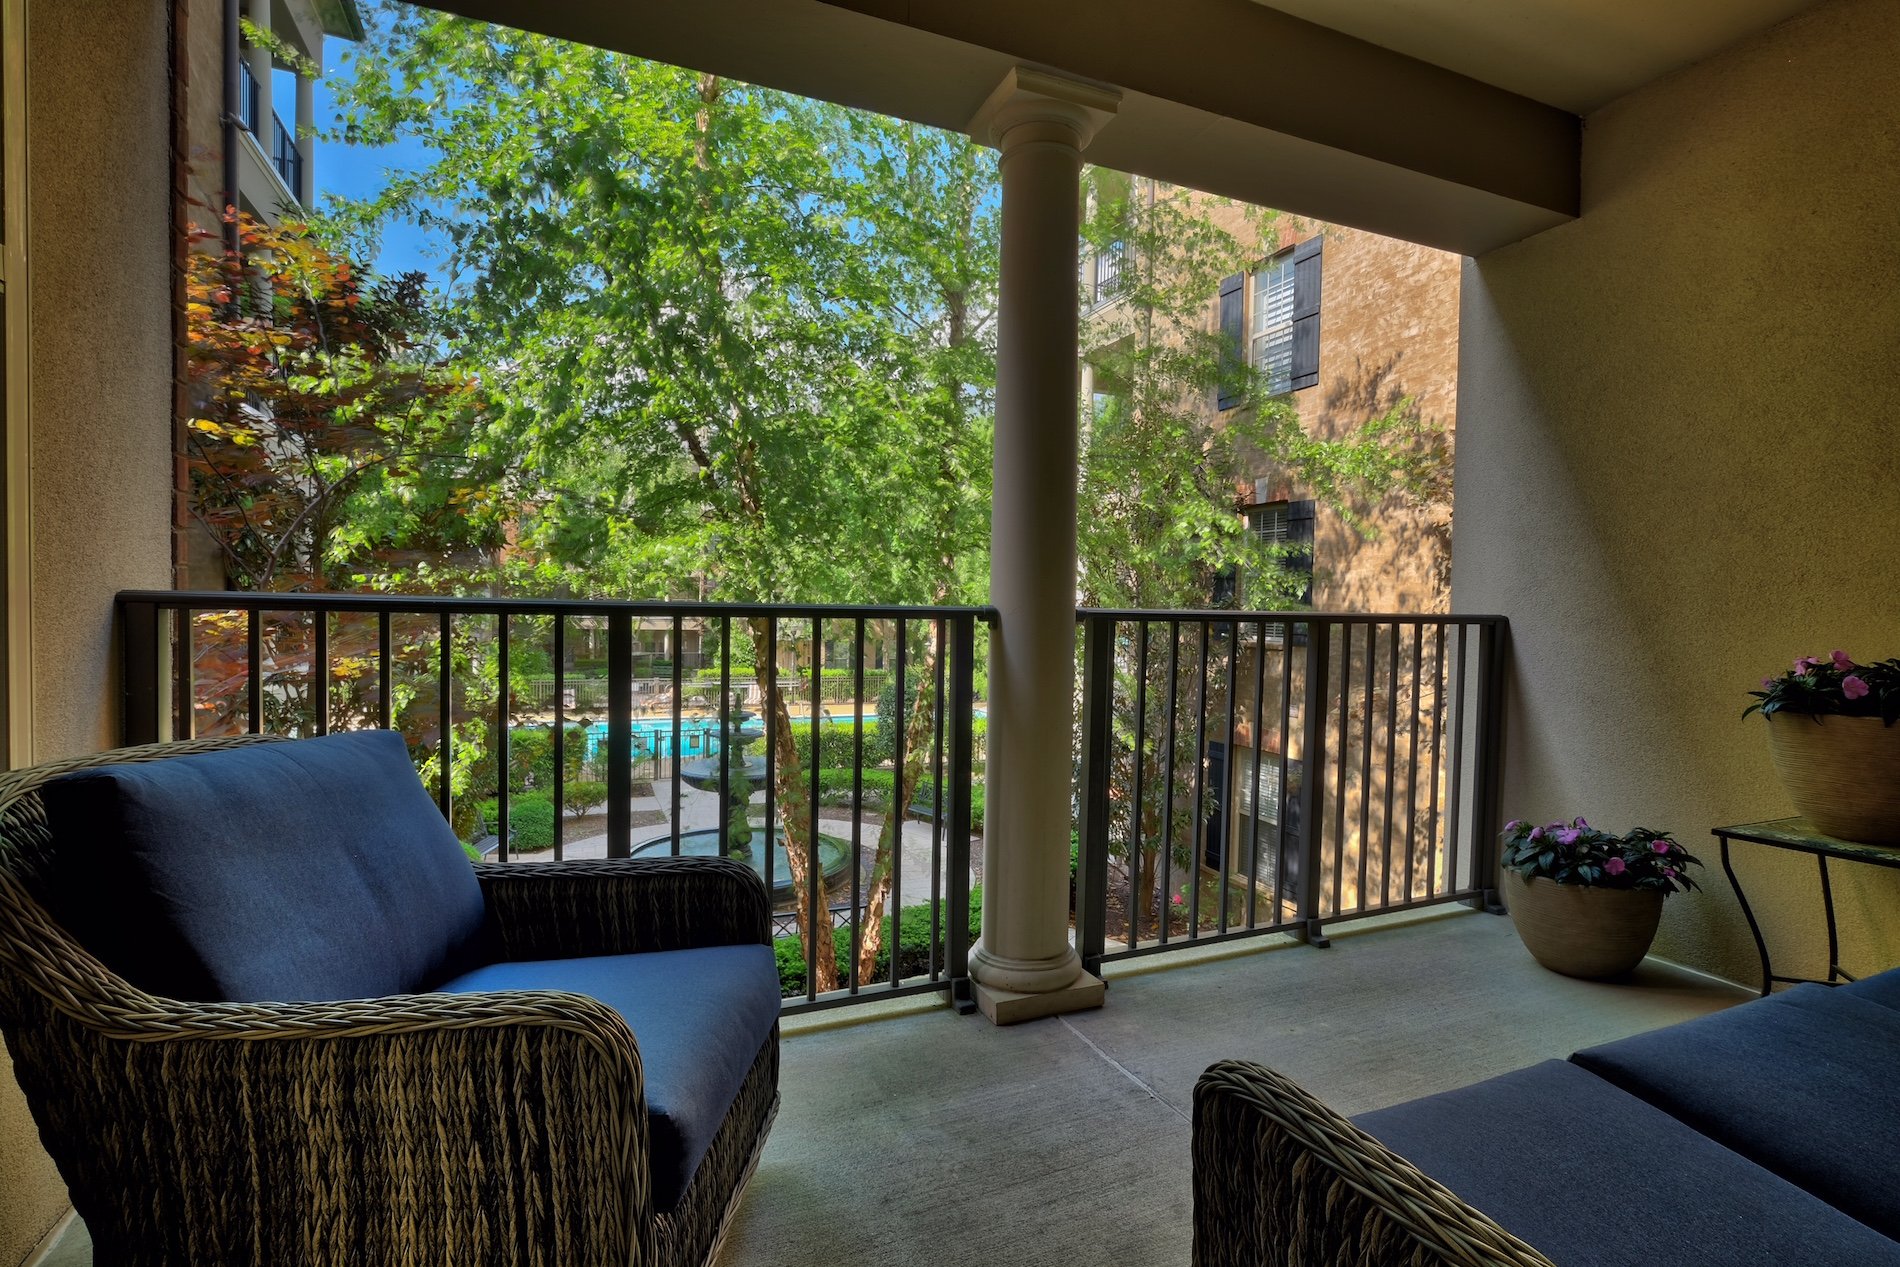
355 171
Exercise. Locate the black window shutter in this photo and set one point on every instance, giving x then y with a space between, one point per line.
1299 532
1306 277
1233 329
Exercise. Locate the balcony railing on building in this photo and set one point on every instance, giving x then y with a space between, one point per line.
284 154
1271 772
1108 274
513 721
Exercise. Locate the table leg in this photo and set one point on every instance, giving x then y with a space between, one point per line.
1761 947
1833 937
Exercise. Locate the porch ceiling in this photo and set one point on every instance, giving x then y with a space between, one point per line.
1223 95
1572 54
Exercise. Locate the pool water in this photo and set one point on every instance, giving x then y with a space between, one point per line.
698 736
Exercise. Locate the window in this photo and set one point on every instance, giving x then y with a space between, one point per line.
1288 525
1271 349
1282 339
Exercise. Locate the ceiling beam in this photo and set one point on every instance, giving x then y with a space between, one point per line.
1222 95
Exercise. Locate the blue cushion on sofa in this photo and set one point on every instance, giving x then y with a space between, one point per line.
1802 1083
1883 989
699 1017
1588 1173
307 870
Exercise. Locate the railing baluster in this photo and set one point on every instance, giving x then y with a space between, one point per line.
1391 776
445 712
770 652
818 917
254 670
1439 714
1455 801
1254 770
1371 692
1319 644
320 670
1098 677
1339 766
1284 809
678 686
857 796
501 740
1226 816
385 671
962 742
1166 898
1198 844
1141 760
620 734
936 805
723 714
1486 786
898 756
1411 767
187 724
560 734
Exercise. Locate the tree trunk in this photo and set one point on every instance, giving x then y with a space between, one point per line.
796 818
920 728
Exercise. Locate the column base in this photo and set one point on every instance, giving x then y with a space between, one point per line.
1009 1007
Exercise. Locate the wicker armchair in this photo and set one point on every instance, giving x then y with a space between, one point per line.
495 1128
1279 1178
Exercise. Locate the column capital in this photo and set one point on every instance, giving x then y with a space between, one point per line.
1027 95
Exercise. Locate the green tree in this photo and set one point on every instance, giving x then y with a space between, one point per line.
726 365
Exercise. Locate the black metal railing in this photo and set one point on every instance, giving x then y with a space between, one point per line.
286 157
247 96
818 801
1108 272
1259 772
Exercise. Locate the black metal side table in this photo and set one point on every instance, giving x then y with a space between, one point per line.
1796 836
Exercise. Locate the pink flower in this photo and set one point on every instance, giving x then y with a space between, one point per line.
1537 833
1841 661
1805 663
1660 846
1614 866
1853 687
1177 900
1583 822
1670 872
1514 824
1768 683
1568 836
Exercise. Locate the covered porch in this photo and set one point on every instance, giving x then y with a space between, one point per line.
1676 470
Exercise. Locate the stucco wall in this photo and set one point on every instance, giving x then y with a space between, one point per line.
1677 462
99 254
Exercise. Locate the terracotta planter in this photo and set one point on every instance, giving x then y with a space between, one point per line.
1583 931
1842 773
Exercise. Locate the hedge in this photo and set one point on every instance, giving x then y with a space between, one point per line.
913 950
530 820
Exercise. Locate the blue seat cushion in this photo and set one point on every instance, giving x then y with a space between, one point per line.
699 1017
1883 989
307 870
1802 1083
1589 1174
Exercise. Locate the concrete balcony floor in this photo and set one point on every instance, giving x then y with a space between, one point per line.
938 1140
911 1135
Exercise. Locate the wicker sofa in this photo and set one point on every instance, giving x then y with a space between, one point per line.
1765 1134
456 1078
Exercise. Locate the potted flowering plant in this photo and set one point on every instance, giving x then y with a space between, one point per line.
1586 902
1835 746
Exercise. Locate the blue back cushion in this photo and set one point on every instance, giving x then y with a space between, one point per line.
307 870
1802 1083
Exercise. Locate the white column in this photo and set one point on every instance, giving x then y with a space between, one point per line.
1023 964
258 11
306 141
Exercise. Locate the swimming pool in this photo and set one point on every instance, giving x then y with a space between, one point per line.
698 736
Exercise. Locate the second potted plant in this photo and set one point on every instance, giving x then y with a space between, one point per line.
1835 744
1585 902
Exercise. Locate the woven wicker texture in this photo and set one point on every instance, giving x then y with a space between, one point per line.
497 1128
1280 1180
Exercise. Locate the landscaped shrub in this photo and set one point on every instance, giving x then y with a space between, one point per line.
530 820
581 795
913 947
